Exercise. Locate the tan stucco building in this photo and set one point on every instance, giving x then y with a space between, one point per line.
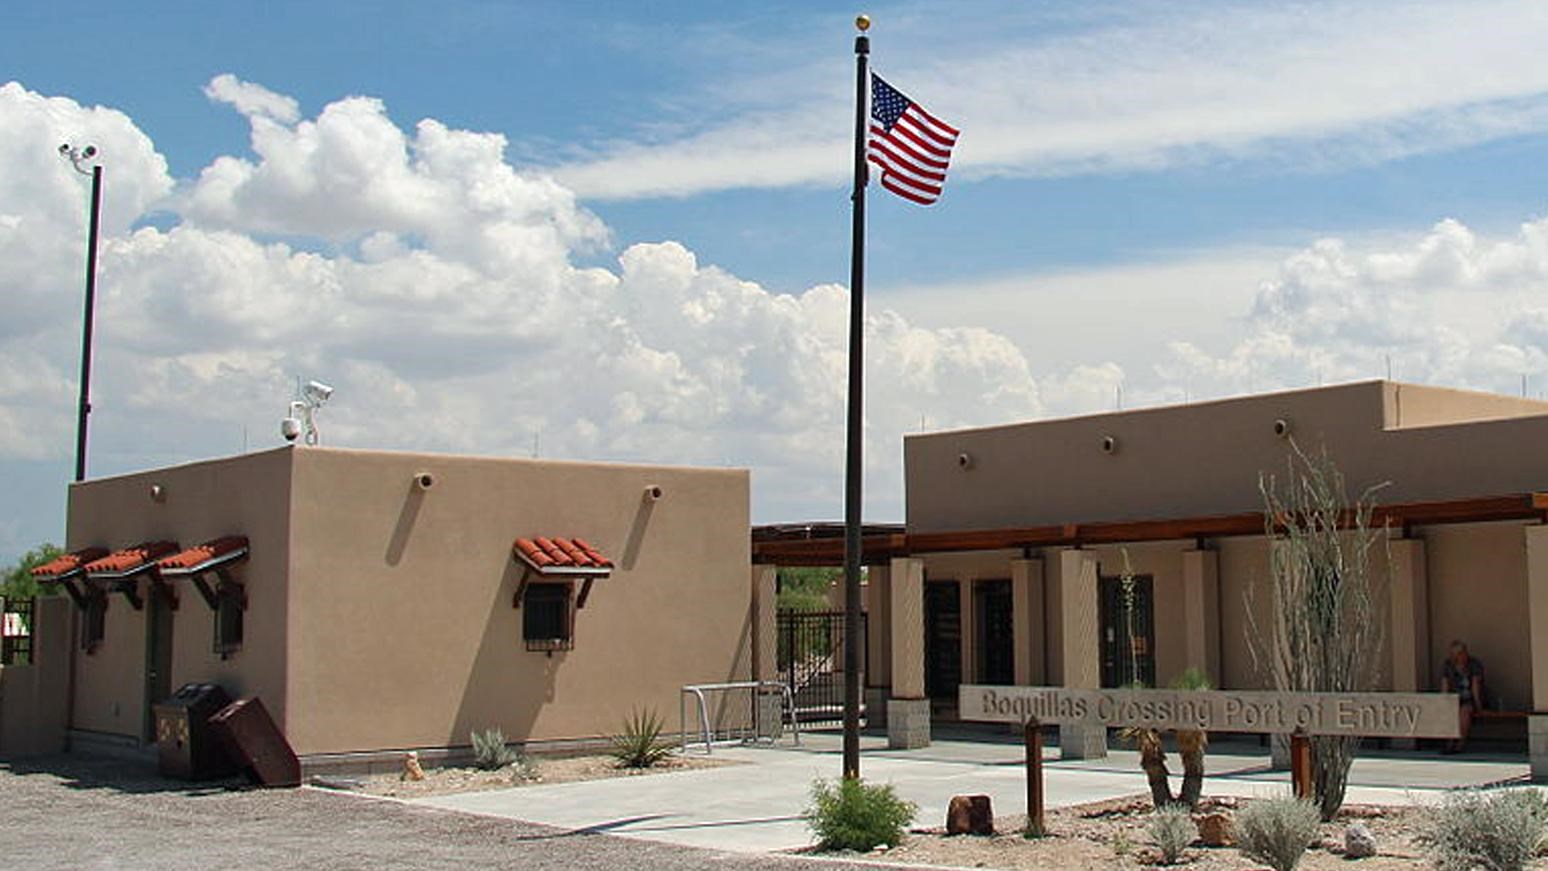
1006 568
387 609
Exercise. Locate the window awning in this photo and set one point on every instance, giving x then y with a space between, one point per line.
216 555
562 556
560 559
121 567
66 569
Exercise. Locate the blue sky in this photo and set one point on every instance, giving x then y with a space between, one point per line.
1177 202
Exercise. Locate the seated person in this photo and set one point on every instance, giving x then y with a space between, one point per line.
1463 674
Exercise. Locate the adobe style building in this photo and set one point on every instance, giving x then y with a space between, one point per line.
1006 570
378 602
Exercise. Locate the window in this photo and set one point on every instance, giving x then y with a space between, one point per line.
230 603
546 616
94 620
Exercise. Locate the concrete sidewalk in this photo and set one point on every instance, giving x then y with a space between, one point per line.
756 807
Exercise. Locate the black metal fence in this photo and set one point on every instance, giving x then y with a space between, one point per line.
16 631
811 662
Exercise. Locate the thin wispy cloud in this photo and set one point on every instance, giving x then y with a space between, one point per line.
1118 89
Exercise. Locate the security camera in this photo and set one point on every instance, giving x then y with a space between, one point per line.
89 152
423 480
64 148
653 492
318 391
290 428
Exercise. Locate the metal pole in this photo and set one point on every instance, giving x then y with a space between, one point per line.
84 408
852 507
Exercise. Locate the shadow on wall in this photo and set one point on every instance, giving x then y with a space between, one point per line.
507 685
413 500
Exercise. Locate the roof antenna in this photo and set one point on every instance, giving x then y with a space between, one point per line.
1389 366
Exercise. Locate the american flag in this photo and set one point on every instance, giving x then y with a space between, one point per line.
911 146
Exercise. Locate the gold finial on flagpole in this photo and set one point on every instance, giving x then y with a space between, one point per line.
862 23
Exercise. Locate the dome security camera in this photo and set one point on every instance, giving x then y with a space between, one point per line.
64 148
89 152
290 428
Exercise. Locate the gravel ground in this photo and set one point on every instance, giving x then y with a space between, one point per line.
77 813
537 771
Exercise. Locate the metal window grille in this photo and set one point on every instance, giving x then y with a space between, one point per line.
547 617
232 603
16 631
94 620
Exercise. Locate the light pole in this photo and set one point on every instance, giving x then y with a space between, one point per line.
84 161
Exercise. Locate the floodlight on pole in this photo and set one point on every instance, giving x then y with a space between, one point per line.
85 162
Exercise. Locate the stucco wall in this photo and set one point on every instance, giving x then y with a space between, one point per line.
1206 458
246 495
32 696
1478 594
402 628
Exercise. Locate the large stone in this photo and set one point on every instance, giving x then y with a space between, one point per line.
970 815
1359 843
1215 829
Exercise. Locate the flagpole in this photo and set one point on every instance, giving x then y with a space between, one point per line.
854 433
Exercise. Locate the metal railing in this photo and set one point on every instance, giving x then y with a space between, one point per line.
699 691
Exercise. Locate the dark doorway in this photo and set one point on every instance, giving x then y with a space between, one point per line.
995 632
943 641
1128 632
158 656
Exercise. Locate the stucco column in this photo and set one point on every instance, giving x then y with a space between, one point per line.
878 644
1027 619
908 711
765 660
1201 611
1082 652
1537 633
1409 629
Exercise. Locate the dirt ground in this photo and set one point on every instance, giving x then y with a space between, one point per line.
1112 835
538 770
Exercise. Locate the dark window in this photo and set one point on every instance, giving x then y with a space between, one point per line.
1128 632
546 617
15 631
996 632
94 620
231 602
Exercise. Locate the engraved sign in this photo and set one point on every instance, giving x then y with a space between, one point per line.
1377 715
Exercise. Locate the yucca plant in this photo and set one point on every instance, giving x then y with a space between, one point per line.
490 752
639 745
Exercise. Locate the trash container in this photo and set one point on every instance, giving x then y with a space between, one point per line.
188 749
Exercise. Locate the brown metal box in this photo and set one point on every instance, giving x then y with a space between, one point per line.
187 748
251 737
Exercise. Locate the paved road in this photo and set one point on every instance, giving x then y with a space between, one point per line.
65 812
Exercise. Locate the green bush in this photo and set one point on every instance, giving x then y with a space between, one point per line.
639 745
490 752
1172 828
1499 831
854 815
1276 831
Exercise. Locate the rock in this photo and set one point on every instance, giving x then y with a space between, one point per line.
1359 843
970 815
1214 829
411 769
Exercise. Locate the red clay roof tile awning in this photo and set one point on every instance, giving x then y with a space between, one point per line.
205 557
66 566
562 556
130 560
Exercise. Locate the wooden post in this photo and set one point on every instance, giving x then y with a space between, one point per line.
1300 766
1032 734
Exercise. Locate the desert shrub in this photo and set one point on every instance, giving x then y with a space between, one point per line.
490 752
1276 831
854 815
1172 828
639 745
1498 831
